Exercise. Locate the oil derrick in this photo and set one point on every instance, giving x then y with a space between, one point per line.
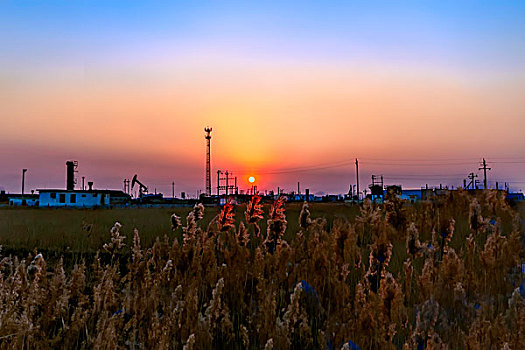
207 130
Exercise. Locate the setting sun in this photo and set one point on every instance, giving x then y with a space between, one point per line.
251 179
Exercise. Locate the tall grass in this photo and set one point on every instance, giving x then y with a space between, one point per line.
440 274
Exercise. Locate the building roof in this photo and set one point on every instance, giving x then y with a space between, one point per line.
110 192
25 195
415 191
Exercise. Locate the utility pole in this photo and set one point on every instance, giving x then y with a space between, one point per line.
23 180
226 173
357 176
173 190
472 183
218 182
83 188
484 167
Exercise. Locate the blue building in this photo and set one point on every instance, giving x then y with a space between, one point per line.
26 200
412 196
516 196
56 198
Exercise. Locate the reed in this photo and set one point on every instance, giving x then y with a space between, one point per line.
442 274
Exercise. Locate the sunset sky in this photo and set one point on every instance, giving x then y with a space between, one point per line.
419 91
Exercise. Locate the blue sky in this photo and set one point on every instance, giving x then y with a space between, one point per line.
465 34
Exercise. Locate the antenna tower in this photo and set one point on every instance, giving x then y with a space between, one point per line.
207 130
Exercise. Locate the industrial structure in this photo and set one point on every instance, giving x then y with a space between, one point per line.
226 187
207 130
71 170
377 187
142 188
227 183
70 197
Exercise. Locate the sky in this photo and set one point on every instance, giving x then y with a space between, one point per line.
418 91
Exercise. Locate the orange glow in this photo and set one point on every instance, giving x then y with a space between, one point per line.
266 117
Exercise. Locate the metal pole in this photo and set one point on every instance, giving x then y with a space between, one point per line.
218 182
208 160
484 167
357 176
226 183
23 180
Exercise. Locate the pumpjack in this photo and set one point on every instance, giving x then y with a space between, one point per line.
143 189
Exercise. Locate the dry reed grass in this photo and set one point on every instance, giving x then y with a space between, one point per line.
425 285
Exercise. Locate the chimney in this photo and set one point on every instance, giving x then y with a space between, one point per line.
70 175
90 185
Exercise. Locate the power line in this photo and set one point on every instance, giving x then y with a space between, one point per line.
416 159
300 169
517 162
418 164
521 158
377 161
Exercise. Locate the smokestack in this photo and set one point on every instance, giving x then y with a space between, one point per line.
70 175
90 185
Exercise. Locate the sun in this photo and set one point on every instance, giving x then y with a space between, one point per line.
251 179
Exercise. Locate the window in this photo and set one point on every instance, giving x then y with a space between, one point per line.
53 195
94 195
62 198
73 198
83 196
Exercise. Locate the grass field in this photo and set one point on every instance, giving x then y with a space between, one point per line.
85 230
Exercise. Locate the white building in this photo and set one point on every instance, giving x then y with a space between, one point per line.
81 199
